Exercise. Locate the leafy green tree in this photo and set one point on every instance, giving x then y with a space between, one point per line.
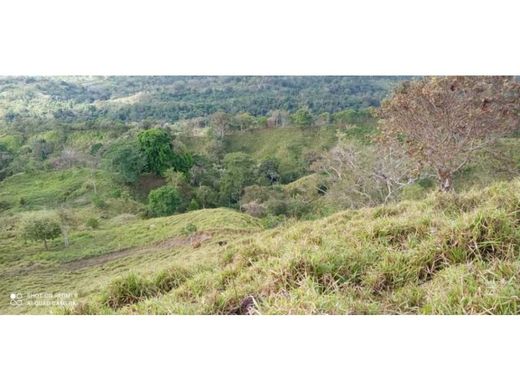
203 172
239 172
261 121
268 171
182 162
194 205
163 201
159 152
157 148
41 228
42 149
127 160
302 118
244 121
206 197
179 181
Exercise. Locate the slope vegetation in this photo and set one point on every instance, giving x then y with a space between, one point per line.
446 254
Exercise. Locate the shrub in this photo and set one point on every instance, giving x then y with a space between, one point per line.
99 202
254 209
92 223
163 201
277 207
206 196
297 208
126 160
189 229
168 280
116 193
257 193
4 205
127 291
41 228
272 221
194 205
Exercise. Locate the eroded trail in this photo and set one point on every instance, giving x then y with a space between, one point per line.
79 264
193 240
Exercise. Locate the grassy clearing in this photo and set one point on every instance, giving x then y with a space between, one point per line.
50 189
291 145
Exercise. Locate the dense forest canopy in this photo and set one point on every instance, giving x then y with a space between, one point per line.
98 101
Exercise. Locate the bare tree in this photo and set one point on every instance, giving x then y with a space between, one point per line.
69 158
365 175
67 221
442 122
278 118
219 121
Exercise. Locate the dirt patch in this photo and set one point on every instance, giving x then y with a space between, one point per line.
194 240
23 271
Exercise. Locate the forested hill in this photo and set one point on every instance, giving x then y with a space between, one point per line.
99 101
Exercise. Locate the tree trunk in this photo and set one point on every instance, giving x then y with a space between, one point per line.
45 243
65 237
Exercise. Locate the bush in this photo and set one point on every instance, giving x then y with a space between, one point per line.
163 201
257 193
116 193
297 208
126 160
133 288
194 205
41 228
189 229
272 221
92 223
277 207
99 202
254 209
206 196
127 291
170 279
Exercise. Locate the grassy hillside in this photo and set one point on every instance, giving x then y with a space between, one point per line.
448 253
119 245
80 156
287 145
49 189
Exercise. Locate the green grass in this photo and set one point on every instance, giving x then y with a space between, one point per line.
430 254
288 145
403 258
147 246
50 189
446 254
111 236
